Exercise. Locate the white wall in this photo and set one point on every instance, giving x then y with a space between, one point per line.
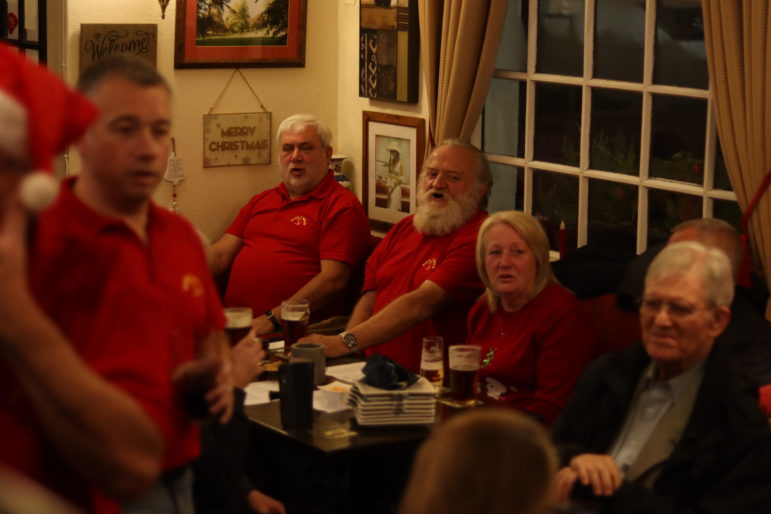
327 86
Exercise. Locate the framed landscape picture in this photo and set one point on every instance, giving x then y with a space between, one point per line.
393 148
240 33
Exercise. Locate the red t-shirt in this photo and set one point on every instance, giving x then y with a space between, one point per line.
133 312
532 358
285 241
403 261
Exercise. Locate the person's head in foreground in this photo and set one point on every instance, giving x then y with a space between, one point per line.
305 150
712 233
452 187
39 117
483 461
512 257
125 152
688 290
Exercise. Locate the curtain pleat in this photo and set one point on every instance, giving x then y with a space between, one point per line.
739 61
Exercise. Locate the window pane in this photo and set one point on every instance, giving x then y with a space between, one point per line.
506 194
721 180
615 136
31 20
612 217
677 142
666 210
619 37
504 118
560 37
555 199
12 19
680 58
727 211
557 123
512 52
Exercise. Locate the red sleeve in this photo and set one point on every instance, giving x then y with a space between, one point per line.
566 345
765 400
345 233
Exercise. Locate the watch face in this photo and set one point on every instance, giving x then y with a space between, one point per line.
349 340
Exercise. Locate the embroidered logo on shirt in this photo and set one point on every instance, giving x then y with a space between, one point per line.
299 220
429 264
192 284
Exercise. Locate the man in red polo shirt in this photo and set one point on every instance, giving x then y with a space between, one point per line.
300 240
421 279
63 424
128 285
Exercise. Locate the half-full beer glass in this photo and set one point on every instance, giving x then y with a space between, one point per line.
238 323
294 321
432 361
464 368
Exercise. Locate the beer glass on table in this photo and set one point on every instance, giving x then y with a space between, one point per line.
432 361
238 323
464 368
294 321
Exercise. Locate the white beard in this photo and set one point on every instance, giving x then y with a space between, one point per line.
443 220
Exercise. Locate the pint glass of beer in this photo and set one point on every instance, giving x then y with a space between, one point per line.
294 321
464 366
432 361
238 323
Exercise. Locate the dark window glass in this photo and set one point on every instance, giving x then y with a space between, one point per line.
619 36
727 211
512 52
504 118
506 193
555 199
557 123
677 138
680 58
612 217
560 37
666 210
615 137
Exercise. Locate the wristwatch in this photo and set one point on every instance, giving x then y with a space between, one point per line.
272 318
350 341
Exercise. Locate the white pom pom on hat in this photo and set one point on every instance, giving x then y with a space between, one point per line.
38 190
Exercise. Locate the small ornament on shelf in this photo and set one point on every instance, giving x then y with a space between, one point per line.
337 166
174 174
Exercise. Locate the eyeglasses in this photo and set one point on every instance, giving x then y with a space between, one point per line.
674 309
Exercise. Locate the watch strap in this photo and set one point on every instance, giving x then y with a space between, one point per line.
272 318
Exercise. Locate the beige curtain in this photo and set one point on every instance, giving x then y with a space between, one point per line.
459 43
739 60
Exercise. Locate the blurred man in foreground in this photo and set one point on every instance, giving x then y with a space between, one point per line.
665 426
421 279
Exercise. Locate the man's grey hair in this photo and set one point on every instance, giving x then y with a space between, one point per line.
483 174
716 233
297 122
710 264
129 68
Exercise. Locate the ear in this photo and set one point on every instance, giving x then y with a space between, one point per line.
722 315
329 153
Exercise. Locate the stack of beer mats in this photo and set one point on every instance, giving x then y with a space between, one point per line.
415 405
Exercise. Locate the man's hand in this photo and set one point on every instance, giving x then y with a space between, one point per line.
563 484
206 387
264 504
262 325
598 471
247 358
333 345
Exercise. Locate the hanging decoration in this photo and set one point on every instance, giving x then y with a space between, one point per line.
164 5
236 139
174 174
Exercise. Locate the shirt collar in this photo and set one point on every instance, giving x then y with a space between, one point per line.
321 190
677 384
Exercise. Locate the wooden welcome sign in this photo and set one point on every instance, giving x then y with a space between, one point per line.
100 40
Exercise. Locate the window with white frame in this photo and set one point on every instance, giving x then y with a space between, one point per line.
599 116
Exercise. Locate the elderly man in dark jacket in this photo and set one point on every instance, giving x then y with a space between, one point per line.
667 426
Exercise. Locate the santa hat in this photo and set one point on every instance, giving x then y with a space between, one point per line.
39 117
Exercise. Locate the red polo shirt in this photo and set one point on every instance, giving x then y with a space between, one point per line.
285 241
403 261
133 312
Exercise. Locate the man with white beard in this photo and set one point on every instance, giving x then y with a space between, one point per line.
421 280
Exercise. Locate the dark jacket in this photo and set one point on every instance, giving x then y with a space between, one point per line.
722 463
